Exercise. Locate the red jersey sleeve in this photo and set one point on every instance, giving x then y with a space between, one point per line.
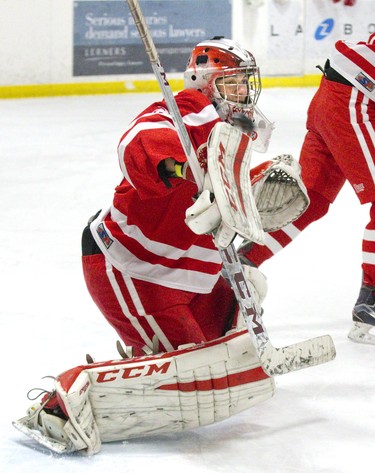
152 137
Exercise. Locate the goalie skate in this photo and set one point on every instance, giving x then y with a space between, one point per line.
56 446
46 429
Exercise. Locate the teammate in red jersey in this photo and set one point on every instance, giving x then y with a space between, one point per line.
339 146
148 273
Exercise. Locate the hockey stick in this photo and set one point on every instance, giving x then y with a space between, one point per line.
275 361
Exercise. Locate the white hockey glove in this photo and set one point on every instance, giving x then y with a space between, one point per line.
203 216
280 195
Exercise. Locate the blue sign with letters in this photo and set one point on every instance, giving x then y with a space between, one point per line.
106 40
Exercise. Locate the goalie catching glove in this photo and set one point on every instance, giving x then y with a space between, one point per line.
280 195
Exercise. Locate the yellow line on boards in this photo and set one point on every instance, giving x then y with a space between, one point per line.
132 86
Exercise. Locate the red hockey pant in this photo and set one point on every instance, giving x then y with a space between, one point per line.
339 146
138 310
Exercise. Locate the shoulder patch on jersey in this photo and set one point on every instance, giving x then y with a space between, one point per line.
365 81
103 234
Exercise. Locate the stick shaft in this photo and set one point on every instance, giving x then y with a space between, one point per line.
160 74
275 361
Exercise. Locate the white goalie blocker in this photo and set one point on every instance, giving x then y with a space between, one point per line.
246 202
150 395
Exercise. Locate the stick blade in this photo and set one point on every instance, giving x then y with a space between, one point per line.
312 352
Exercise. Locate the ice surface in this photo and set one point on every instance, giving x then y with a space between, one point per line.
58 167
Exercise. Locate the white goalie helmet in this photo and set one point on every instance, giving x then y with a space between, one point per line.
227 74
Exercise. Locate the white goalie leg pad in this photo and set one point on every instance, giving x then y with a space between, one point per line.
280 195
170 392
46 429
175 391
228 160
150 395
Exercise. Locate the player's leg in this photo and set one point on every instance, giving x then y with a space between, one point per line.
276 241
355 154
323 180
364 307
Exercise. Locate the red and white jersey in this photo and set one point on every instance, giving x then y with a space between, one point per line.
356 62
143 233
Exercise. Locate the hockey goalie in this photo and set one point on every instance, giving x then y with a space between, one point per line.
195 385
152 265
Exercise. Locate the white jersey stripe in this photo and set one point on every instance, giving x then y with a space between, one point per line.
123 260
369 235
125 309
272 244
141 311
162 249
206 115
358 131
128 138
368 258
291 230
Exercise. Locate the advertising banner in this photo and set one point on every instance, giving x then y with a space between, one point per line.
285 38
106 40
327 22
